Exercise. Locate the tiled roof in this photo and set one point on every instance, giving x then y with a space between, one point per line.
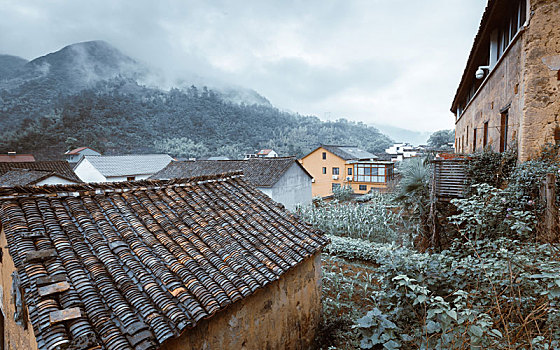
136 263
261 172
25 177
79 149
134 164
9 158
349 152
59 167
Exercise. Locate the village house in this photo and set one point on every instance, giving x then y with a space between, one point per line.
120 168
13 157
509 94
201 263
75 155
333 167
26 177
401 151
56 172
282 179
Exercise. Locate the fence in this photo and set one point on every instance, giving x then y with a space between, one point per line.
448 178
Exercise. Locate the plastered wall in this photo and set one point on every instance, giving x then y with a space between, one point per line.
283 315
15 336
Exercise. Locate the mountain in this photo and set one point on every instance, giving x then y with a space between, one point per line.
404 135
90 94
10 64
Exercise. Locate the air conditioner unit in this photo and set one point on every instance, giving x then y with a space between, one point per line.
335 177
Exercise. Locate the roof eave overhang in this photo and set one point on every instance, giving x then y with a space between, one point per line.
475 50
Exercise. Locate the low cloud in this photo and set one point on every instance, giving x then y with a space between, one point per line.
388 62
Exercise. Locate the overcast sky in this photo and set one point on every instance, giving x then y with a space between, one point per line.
395 62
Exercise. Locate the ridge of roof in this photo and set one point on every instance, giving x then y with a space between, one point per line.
77 190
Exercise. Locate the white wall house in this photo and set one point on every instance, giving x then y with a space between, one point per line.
120 168
401 151
282 178
292 189
75 155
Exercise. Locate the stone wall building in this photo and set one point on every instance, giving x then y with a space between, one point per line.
509 95
200 263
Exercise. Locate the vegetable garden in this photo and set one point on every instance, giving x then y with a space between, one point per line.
492 286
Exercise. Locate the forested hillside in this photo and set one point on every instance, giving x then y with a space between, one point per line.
78 97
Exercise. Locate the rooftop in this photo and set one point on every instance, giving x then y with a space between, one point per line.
25 177
261 172
58 167
136 263
10 158
134 164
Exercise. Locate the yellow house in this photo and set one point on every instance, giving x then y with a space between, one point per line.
336 166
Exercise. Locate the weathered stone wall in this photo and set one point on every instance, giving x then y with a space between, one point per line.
502 88
15 336
283 315
541 78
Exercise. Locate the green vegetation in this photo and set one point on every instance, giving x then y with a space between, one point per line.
119 116
441 139
491 285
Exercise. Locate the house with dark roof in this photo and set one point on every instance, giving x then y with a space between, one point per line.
75 155
120 168
26 177
509 92
282 179
59 170
200 263
334 166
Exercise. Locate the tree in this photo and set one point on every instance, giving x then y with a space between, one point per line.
441 138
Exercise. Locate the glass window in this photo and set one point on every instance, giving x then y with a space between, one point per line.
324 170
363 188
324 155
349 171
335 171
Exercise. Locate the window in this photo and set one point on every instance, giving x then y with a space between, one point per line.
335 186
324 155
335 171
130 178
485 135
349 171
324 170
504 131
369 172
474 140
363 187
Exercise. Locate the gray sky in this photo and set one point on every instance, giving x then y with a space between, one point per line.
395 62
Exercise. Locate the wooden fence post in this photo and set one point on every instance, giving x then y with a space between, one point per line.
551 212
